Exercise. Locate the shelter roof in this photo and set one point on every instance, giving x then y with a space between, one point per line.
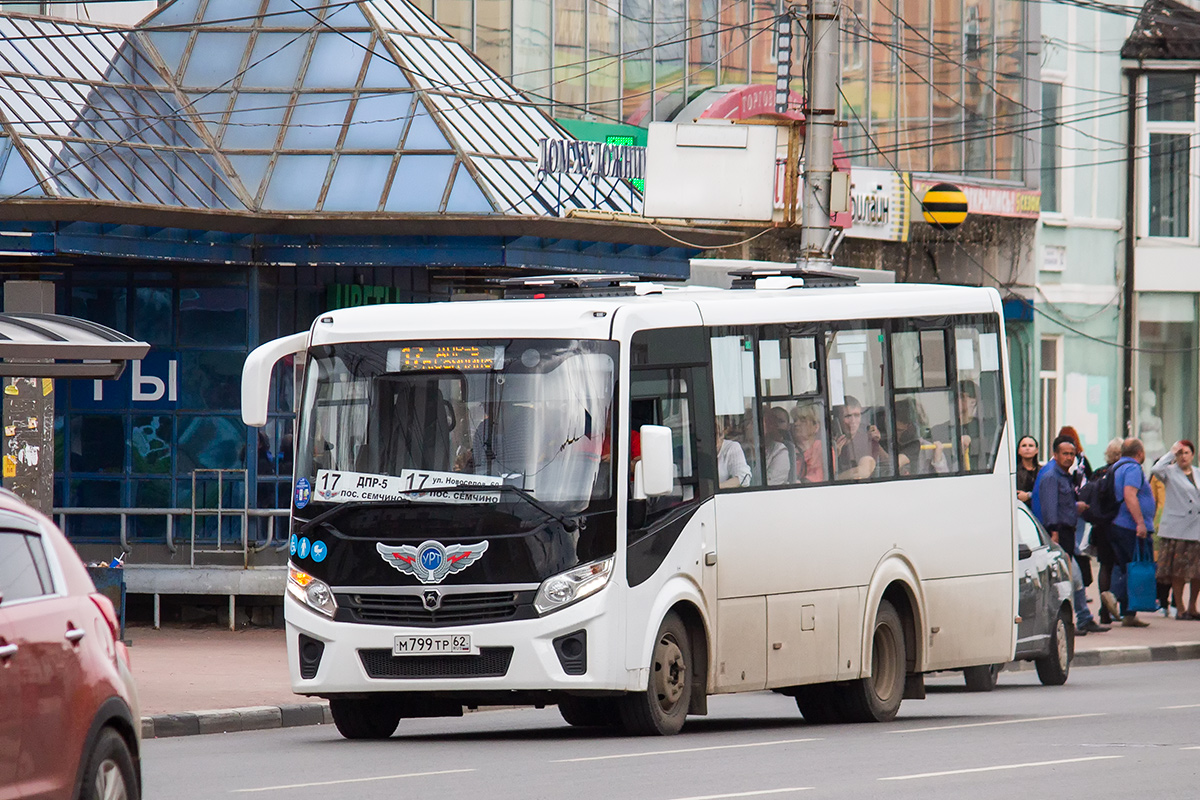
324 108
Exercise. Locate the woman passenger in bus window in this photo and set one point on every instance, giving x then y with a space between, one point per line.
810 443
781 450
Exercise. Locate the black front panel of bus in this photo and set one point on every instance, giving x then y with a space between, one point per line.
521 547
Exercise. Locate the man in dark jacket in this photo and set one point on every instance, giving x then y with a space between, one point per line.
1058 508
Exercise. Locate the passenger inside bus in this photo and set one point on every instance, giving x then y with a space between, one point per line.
732 469
808 434
856 449
781 448
915 454
968 421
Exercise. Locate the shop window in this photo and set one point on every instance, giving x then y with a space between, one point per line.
859 404
1050 379
212 317
213 380
1166 370
980 394
150 494
1051 138
97 443
735 407
151 444
103 304
211 442
153 314
85 493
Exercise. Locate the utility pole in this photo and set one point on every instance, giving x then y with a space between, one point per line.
824 75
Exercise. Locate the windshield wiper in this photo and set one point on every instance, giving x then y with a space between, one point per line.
340 507
568 524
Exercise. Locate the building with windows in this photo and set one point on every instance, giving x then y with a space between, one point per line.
1160 63
1075 355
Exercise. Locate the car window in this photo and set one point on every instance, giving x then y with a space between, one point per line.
23 569
1027 531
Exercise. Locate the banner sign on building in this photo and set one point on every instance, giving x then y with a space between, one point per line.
879 202
992 201
592 160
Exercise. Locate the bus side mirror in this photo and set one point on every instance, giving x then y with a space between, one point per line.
256 375
658 460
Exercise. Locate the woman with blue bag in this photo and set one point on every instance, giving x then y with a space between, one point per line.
1179 525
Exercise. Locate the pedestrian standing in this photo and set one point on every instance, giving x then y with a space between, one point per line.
1133 522
1055 503
1102 510
1179 526
1081 473
1027 467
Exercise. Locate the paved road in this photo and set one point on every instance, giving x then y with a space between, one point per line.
1110 732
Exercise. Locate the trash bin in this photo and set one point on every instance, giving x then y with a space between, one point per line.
110 582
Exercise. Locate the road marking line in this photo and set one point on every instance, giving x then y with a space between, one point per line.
1190 748
684 750
749 794
1000 722
1172 708
1000 767
351 780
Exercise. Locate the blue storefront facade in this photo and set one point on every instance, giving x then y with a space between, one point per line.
207 181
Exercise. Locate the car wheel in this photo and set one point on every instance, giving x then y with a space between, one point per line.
589 712
371 718
877 698
820 703
662 708
1053 668
110 774
982 678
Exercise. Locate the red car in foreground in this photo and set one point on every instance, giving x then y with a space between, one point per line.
69 725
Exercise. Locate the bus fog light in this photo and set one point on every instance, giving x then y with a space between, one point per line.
313 593
572 585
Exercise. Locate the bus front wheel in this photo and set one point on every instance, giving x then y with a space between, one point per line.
364 718
877 698
660 710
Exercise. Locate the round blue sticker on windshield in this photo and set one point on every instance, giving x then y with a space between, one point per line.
319 551
292 542
302 549
303 492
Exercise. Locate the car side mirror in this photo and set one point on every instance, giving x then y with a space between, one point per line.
1023 551
658 460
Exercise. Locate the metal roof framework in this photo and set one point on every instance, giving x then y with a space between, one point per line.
56 346
325 107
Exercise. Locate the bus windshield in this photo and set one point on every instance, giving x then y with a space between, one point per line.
397 420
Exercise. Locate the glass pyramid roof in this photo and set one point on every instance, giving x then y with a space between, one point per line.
327 106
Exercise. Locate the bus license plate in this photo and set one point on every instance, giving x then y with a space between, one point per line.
458 644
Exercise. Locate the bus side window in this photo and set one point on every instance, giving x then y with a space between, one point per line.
736 407
860 404
980 393
926 422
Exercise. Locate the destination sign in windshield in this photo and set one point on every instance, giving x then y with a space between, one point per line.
457 357
419 486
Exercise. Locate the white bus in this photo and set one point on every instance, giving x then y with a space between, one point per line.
622 498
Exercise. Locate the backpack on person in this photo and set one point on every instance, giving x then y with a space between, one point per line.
1101 497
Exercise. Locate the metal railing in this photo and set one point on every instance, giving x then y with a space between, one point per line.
245 514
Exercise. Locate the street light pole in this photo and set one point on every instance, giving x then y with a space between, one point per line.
824 71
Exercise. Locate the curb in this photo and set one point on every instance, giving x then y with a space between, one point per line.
258 718
233 720
1109 656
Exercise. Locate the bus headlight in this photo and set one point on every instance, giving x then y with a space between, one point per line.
308 590
572 585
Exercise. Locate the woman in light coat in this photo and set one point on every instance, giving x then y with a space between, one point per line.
1179 528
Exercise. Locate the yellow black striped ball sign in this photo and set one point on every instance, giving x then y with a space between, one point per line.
944 206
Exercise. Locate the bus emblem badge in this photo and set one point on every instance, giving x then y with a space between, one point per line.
431 562
432 599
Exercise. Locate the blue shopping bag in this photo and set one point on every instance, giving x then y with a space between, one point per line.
1142 585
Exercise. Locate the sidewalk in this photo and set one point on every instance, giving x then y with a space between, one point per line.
210 680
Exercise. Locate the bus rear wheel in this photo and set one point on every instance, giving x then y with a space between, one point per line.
662 708
589 712
365 718
877 698
982 678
